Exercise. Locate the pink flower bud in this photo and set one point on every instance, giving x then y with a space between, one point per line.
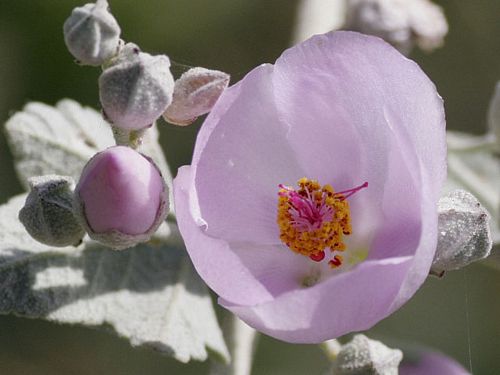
195 93
121 197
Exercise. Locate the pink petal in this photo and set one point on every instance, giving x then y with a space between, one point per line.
242 155
329 309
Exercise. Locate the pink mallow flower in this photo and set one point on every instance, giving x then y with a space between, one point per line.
310 204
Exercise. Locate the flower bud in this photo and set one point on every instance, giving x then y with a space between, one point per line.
463 235
121 198
402 23
92 34
195 93
136 88
365 356
48 215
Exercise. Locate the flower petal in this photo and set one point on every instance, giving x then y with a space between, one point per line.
213 259
329 309
241 156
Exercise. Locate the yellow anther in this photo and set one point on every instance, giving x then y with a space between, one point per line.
312 219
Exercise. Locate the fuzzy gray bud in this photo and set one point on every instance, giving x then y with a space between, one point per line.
402 23
365 356
463 232
195 93
92 34
48 215
135 88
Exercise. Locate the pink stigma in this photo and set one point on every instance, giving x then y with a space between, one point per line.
306 213
349 192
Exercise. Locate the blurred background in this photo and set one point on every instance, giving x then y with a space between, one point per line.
458 315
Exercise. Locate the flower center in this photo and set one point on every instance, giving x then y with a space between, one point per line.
314 218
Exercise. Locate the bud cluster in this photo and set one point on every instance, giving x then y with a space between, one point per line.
136 88
121 198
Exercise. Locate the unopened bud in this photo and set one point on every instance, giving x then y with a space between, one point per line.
402 23
92 34
121 198
136 88
494 114
48 215
463 232
365 356
195 93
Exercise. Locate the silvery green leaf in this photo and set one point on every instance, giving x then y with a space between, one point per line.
55 140
60 140
365 356
463 232
149 294
474 165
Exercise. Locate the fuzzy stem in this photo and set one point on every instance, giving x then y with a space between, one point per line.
242 341
121 136
331 348
129 138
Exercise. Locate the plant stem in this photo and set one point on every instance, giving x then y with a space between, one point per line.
242 341
331 348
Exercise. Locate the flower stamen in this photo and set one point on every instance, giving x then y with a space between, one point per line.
314 218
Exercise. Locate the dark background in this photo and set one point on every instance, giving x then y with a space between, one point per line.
458 315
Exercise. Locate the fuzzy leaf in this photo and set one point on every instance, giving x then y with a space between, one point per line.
476 169
61 139
149 294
